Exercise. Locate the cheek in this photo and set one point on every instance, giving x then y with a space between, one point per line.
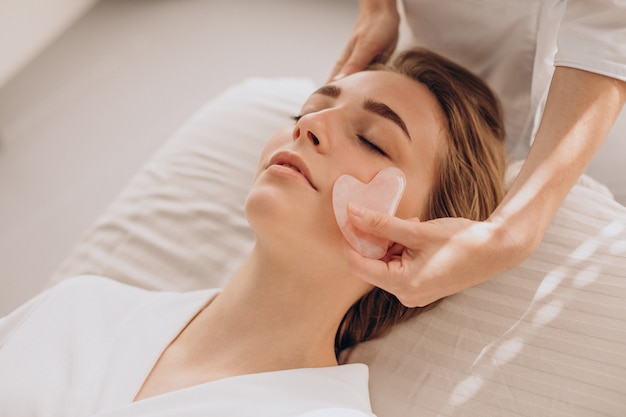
414 200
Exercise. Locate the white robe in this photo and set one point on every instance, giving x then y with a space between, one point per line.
85 347
515 44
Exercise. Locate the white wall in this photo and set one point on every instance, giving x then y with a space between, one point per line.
81 118
28 26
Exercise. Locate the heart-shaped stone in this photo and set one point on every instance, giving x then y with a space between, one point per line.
383 194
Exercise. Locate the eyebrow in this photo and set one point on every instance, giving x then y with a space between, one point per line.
385 111
371 105
328 90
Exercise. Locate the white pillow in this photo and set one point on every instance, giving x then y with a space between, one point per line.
179 224
546 338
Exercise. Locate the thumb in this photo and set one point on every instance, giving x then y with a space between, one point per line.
394 229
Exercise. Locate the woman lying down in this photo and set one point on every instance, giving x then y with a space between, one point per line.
268 343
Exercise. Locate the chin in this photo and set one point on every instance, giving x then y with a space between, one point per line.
271 211
285 220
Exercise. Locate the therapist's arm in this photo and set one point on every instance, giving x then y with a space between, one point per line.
445 256
580 110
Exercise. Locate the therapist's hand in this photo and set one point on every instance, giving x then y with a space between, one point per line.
373 38
432 259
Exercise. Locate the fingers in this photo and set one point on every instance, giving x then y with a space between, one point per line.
405 232
396 273
437 258
375 271
373 38
394 276
352 60
357 61
338 70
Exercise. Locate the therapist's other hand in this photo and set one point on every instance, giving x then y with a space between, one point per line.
373 39
432 259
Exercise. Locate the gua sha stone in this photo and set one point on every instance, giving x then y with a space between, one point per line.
383 194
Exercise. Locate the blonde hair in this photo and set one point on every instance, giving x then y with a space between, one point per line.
469 173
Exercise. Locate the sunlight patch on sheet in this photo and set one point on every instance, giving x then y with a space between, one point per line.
507 351
614 228
466 389
545 314
587 276
618 248
584 251
550 282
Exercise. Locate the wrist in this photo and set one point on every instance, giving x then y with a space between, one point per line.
377 7
513 239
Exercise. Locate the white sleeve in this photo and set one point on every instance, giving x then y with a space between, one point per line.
10 323
592 37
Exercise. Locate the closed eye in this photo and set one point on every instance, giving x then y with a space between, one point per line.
371 146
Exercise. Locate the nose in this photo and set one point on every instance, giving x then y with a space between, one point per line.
314 130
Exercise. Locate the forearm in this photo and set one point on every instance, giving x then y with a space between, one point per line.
580 111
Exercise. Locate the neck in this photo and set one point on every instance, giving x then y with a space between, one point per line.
278 312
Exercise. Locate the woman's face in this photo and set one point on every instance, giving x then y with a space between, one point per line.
357 126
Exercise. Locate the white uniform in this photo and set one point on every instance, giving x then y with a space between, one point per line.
85 347
515 44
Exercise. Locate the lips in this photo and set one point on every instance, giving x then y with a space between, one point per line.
292 161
